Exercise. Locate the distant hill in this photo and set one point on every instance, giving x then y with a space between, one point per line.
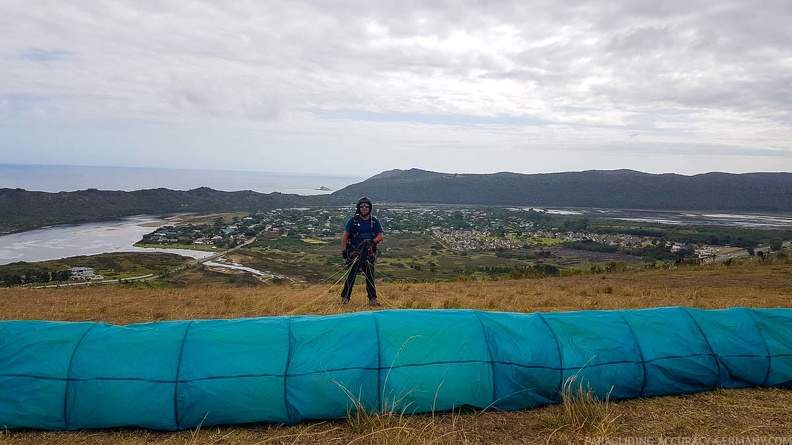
624 189
22 209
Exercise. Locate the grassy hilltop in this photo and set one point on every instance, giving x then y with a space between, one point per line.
748 413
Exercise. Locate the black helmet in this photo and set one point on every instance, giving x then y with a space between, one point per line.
364 200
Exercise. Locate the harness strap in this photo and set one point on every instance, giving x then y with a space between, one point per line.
372 250
356 225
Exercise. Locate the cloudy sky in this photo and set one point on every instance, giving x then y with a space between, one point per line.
359 87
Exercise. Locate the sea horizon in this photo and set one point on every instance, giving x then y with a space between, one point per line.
53 178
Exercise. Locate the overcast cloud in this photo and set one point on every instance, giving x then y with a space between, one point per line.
358 87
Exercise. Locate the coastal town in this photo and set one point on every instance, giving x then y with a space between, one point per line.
492 240
461 229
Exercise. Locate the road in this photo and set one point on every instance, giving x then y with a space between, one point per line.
147 277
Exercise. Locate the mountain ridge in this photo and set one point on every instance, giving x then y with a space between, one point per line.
617 189
592 188
23 210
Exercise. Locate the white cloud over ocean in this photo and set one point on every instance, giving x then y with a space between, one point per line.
355 87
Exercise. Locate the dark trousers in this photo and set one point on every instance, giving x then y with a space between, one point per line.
368 272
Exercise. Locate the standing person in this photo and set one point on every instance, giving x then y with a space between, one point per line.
362 233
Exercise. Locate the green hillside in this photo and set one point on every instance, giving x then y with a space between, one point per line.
623 189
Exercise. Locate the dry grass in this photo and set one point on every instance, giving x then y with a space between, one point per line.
749 285
746 413
584 414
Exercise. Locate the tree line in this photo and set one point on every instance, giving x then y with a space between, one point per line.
35 277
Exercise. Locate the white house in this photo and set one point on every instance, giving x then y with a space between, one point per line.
83 273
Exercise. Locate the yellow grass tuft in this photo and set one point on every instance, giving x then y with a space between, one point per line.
584 413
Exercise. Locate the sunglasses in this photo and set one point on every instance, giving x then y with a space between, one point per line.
364 206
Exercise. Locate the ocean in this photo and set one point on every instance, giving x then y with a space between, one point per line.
68 178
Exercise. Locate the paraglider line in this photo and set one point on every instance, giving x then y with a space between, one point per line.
176 383
558 348
640 353
68 376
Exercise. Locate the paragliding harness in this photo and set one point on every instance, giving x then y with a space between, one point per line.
366 247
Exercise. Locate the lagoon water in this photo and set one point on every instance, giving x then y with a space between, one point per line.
65 241
749 220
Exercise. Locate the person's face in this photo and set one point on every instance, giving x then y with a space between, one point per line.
365 209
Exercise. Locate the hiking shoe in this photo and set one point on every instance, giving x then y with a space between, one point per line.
373 302
344 300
